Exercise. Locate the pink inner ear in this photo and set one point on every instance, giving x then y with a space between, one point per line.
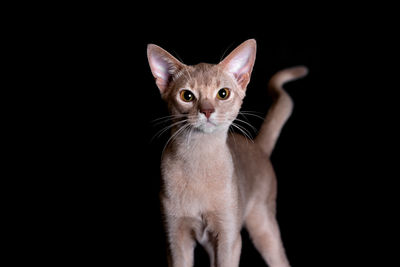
240 62
160 67
163 65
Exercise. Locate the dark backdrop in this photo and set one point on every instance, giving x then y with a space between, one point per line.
110 176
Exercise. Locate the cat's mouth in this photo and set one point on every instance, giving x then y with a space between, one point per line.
207 126
210 123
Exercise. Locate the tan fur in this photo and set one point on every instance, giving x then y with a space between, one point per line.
217 182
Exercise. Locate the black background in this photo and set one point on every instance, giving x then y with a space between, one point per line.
107 162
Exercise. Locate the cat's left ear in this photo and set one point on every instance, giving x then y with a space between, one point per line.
163 66
240 62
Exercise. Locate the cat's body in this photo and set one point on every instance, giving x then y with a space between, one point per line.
216 182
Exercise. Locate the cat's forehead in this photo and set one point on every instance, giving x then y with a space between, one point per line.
203 69
203 75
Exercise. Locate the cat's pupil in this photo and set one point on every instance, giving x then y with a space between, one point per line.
188 95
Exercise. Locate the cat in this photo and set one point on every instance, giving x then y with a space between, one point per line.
215 183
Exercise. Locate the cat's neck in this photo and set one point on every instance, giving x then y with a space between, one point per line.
195 142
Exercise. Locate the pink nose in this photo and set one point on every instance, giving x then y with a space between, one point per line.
207 112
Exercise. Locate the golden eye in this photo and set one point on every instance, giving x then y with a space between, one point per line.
187 96
223 94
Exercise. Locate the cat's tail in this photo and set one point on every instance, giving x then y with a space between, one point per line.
281 107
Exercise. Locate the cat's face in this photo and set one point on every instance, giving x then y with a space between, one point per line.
205 97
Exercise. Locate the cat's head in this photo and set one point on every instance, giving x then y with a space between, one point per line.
206 96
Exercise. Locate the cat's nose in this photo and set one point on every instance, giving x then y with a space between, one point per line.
207 112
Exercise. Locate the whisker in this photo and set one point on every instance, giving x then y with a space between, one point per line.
163 130
245 122
251 113
188 73
189 136
179 131
167 118
233 135
220 120
243 131
176 54
226 50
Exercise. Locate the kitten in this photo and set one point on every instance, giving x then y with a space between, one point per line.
215 183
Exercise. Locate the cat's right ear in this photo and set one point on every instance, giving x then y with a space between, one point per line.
163 66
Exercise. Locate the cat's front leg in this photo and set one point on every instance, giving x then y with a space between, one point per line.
228 249
181 242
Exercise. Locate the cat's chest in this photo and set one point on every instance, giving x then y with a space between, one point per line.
205 161
206 167
199 173
197 183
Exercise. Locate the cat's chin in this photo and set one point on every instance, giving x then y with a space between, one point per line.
209 128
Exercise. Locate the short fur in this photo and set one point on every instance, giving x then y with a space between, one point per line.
215 182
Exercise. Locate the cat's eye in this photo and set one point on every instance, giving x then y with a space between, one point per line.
223 94
187 96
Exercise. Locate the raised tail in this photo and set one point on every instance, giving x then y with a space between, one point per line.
281 108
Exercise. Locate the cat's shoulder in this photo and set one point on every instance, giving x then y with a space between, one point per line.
240 144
